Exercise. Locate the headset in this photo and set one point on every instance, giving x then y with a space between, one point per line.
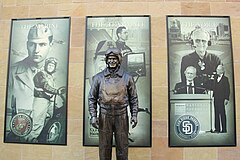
209 43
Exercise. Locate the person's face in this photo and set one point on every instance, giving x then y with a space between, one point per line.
38 49
123 35
112 62
50 67
190 74
220 70
200 41
99 63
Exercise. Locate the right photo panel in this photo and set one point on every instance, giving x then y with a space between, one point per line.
200 81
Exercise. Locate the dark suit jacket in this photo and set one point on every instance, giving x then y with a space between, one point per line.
181 88
221 89
211 62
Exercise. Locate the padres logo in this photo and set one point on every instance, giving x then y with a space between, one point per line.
21 124
187 127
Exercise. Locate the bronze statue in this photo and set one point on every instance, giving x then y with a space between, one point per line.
113 90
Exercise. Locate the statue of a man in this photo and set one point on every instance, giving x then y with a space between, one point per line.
113 90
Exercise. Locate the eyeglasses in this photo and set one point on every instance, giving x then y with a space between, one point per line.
201 40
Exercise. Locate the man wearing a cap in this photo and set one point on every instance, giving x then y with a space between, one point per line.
21 86
44 92
113 90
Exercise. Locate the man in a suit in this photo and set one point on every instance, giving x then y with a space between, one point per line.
190 85
122 35
221 92
204 62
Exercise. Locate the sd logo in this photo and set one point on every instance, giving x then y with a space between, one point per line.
187 127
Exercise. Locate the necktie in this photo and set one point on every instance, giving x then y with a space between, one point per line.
190 89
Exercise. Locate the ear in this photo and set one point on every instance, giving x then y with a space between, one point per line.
209 43
51 44
192 43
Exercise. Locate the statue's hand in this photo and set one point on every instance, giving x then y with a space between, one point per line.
134 121
94 122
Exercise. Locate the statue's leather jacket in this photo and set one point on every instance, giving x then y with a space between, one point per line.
113 92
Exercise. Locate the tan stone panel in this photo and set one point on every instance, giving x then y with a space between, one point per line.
14 12
236 53
76 75
80 10
75 126
56 1
4 56
231 9
155 33
237 102
238 127
235 25
75 104
232 0
236 74
161 151
77 32
9 151
229 153
2 100
195 8
9 2
5 34
36 152
158 31
84 1
139 153
3 73
159 103
37 2
23 2
73 150
99 8
43 11
156 0
127 7
76 55
211 0
159 128
200 153
159 54
74 10
159 74
92 153
164 8
2 122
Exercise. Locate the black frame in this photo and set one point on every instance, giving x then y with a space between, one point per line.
179 30
104 33
60 27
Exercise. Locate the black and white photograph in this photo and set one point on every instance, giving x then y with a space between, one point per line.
200 81
36 96
128 38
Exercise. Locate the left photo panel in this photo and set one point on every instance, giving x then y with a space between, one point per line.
36 94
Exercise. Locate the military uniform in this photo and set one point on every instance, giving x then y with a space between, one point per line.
42 103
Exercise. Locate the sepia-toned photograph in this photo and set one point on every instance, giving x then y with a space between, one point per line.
200 81
117 47
36 96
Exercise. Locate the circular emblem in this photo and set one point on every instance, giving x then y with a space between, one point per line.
21 124
187 127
